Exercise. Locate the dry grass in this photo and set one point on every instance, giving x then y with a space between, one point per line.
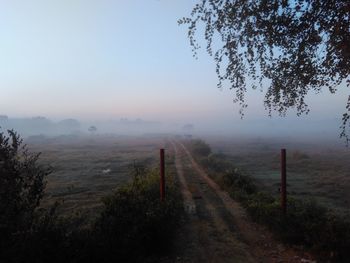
88 168
314 170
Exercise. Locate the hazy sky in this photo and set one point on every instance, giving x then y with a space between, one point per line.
111 59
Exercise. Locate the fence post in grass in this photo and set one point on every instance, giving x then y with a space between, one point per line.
162 178
283 182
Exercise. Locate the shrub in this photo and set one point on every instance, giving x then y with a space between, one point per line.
200 148
134 225
263 208
134 221
21 187
238 183
218 163
306 223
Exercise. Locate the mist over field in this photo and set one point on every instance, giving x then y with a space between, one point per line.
291 130
278 127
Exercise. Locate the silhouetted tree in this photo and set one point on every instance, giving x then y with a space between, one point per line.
292 47
21 186
92 129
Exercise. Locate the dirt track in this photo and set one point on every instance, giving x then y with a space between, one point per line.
218 229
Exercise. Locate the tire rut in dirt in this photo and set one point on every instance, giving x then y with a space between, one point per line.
220 235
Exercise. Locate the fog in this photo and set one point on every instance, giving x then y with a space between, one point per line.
127 68
301 128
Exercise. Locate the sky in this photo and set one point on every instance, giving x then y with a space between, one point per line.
110 59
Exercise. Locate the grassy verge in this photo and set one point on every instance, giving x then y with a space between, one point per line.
306 223
134 226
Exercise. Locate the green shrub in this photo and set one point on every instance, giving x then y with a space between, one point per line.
237 182
135 222
263 208
200 148
48 240
133 226
21 189
306 223
218 163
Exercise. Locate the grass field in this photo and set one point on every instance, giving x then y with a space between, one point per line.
87 168
317 169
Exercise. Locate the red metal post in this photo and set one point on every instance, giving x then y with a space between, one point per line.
162 178
283 181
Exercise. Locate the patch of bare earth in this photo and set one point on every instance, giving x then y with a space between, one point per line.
217 228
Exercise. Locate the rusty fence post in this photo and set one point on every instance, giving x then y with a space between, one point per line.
283 181
162 178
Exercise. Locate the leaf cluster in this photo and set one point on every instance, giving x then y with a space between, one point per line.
292 47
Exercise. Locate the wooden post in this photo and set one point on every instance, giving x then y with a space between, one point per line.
162 177
283 182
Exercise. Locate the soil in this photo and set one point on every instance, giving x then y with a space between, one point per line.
217 228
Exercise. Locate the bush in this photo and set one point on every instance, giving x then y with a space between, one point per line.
21 188
217 163
135 222
238 184
200 148
306 223
134 226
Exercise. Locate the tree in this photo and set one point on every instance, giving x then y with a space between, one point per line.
21 186
92 129
292 47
